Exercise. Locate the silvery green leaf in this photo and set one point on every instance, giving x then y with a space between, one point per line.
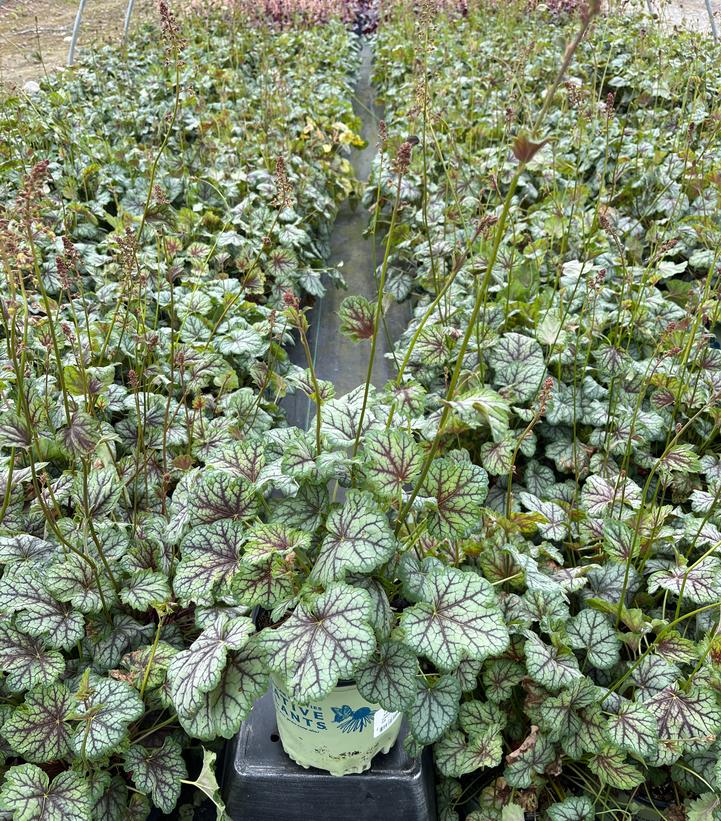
264 585
435 708
104 708
497 457
612 768
459 488
111 801
323 640
392 461
467 674
304 511
341 417
98 493
691 718
267 540
481 406
455 755
197 670
219 712
218 495
245 458
549 666
29 795
500 676
37 613
26 549
652 675
157 772
26 661
633 729
592 632
599 494
145 589
530 759
388 678
574 808
356 316
699 583
209 558
37 730
518 366
75 580
556 526
458 618
358 539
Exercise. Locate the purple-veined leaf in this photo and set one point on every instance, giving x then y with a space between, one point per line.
535 753
499 678
467 674
549 666
29 795
435 708
483 406
592 632
459 488
700 582
275 539
110 801
197 670
599 494
145 589
37 730
245 459
82 434
264 585
557 523
612 768
340 419
26 661
99 493
299 458
104 709
518 366
388 678
157 772
74 580
37 613
633 729
497 457
221 710
304 511
458 618
574 808
359 539
24 548
392 461
356 316
693 719
652 675
218 495
209 558
455 755
14 432
322 641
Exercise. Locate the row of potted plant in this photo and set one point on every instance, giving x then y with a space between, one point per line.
561 249
161 203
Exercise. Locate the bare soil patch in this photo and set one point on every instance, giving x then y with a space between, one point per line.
35 34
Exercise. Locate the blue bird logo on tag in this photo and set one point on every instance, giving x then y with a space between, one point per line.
352 721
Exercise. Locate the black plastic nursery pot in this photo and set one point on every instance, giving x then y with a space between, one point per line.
261 783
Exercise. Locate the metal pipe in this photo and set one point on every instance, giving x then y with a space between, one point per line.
76 32
714 29
126 25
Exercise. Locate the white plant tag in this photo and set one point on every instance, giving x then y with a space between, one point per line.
382 720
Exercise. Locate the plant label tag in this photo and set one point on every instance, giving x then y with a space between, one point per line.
382 720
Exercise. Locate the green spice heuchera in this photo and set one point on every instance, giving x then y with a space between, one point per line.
589 392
